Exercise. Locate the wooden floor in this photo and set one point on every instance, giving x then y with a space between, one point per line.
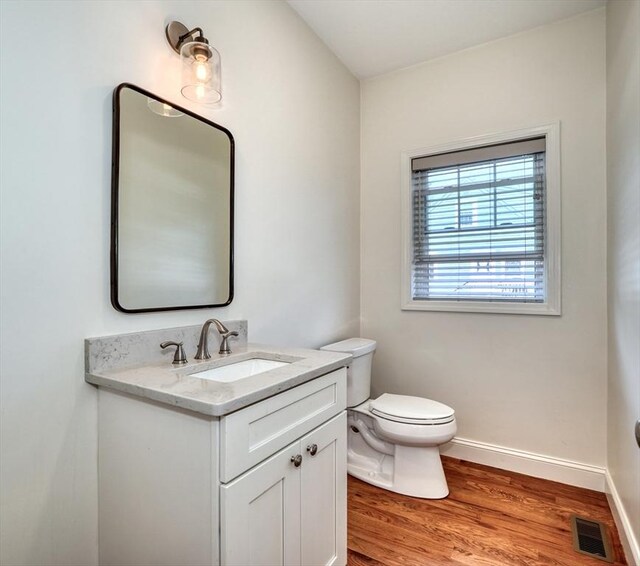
491 517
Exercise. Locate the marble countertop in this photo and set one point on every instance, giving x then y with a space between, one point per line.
175 386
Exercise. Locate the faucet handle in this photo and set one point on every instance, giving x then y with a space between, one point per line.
179 357
224 344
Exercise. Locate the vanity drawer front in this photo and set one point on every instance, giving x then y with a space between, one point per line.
252 434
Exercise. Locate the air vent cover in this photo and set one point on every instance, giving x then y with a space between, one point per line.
590 537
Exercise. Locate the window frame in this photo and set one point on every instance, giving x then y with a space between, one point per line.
552 251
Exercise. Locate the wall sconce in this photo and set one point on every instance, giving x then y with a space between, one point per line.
201 81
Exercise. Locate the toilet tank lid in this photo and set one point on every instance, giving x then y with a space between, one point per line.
355 346
410 407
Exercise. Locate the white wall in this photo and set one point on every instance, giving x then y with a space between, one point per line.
531 383
294 112
623 207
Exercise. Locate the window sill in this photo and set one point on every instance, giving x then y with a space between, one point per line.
483 307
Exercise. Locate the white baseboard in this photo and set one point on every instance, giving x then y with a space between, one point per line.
529 463
627 536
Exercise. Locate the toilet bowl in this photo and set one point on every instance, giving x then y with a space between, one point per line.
393 440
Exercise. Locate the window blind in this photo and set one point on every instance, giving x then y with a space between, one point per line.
479 226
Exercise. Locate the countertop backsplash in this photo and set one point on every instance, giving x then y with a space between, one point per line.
106 353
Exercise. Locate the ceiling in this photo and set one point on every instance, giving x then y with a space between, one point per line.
372 37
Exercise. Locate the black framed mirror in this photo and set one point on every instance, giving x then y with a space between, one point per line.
171 206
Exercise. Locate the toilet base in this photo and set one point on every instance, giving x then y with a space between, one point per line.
426 482
414 471
418 472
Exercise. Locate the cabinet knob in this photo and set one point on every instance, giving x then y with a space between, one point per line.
312 449
297 460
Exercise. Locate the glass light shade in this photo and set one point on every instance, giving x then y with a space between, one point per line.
201 80
163 109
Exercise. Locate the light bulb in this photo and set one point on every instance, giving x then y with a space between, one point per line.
202 71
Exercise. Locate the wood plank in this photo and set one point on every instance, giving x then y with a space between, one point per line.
357 559
492 517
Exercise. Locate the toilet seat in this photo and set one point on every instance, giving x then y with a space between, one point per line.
411 410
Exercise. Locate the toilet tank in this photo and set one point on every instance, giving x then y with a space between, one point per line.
359 372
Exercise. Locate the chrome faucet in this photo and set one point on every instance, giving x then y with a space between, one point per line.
203 345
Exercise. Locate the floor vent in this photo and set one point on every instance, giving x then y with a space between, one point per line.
590 537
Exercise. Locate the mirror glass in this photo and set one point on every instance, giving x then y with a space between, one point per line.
172 206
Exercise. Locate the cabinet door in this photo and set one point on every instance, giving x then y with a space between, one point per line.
324 494
260 514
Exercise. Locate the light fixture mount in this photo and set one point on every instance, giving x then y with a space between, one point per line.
178 34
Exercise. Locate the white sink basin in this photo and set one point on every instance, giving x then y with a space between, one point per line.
239 370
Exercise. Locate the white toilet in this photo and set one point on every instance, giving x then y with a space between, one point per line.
393 440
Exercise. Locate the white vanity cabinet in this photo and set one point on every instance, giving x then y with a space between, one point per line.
264 485
291 508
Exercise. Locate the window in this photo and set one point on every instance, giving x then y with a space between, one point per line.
482 225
